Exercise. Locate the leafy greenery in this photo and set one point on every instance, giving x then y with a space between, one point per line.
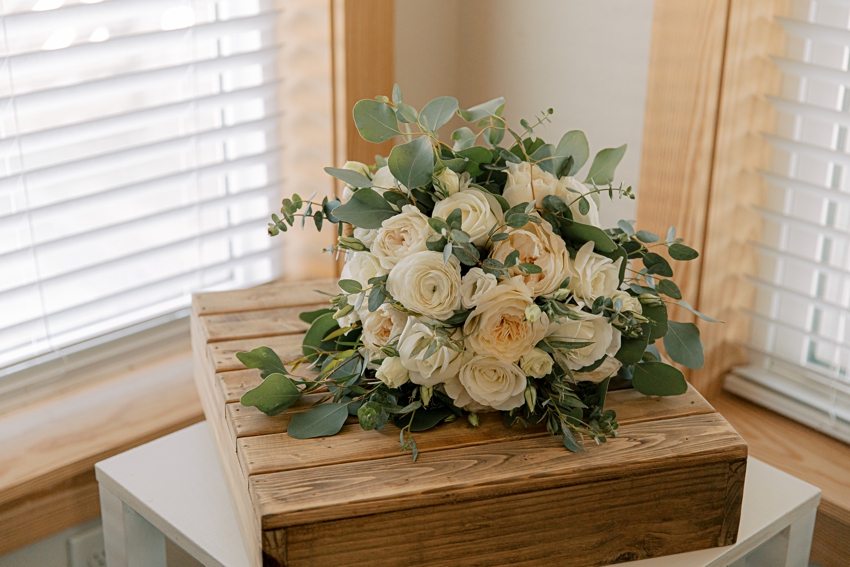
366 209
320 421
276 393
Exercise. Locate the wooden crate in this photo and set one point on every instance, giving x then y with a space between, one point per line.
671 482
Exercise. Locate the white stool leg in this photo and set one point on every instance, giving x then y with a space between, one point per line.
800 540
128 539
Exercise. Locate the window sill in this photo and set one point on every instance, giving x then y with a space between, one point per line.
807 454
49 448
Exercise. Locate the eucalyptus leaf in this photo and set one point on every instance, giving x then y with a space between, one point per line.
350 286
631 350
702 316
646 236
438 112
658 315
464 138
604 164
407 113
658 379
375 121
683 344
314 338
349 176
669 288
273 395
412 163
397 98
365 209
483 110
574 144
586 233
310 316
682 253
545 156
321 421
263 358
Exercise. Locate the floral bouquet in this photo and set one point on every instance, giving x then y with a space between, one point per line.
478 279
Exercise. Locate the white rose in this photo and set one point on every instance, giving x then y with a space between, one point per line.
630 303
392 372
528 183
365 235
591 328
424 284
361 267
569 189
381 326
593 275
449 181
383 180
490 382
536 363
400 236
477 218
498 325
475 284
537 245
441 366
609 367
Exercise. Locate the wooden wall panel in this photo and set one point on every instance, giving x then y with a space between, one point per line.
748 75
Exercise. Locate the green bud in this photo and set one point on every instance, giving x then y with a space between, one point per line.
650 299
473 419
425 392
530 397
350 243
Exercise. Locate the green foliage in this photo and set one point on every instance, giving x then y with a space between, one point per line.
276 393
702 316
438 112
366 209
585 233
573 144
375 121
353 178
683 253
321 421
263 358
483 110
669 288
412 163
683 344
314 342
603 166
658 379
310 316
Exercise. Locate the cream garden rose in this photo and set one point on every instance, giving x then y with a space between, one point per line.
498 326
366 235
392 372
609 367
536 363
569 189
527 183
593 275
489 381
475 284
424 284
630 303
448 181
383 180
537 245
477 217
361 267
590 328
441 366
401 236
382 326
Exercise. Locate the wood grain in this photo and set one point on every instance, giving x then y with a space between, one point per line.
253 324
561 526
267 296
353 489
686 60
740 151
223 354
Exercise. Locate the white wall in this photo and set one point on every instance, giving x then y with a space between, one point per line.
586 59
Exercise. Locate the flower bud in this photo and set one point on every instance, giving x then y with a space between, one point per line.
473 419
561 294
532 313
530 397
650 299
425 392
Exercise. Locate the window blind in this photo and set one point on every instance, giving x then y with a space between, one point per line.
800 338
140 162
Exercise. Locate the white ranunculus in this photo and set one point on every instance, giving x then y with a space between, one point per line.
383 179
569 189
400 236
392 372
538 245
477 218
630 303
365 235
498 325
449 181
441 366
361 267
528 183
382 326
475 284
490 382
593 275
609 367
536 363
424 284
591 328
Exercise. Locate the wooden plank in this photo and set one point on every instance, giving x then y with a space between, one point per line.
686 59
223 354
253 324
560 526
233 384
362 488
831 541
249 421
265 453
267 296
740 151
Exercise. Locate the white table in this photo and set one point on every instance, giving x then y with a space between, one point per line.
173 487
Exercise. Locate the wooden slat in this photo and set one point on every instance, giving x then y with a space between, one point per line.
362 488
245 421
253 324
268 296
562 526
223 354
265 453
232 385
